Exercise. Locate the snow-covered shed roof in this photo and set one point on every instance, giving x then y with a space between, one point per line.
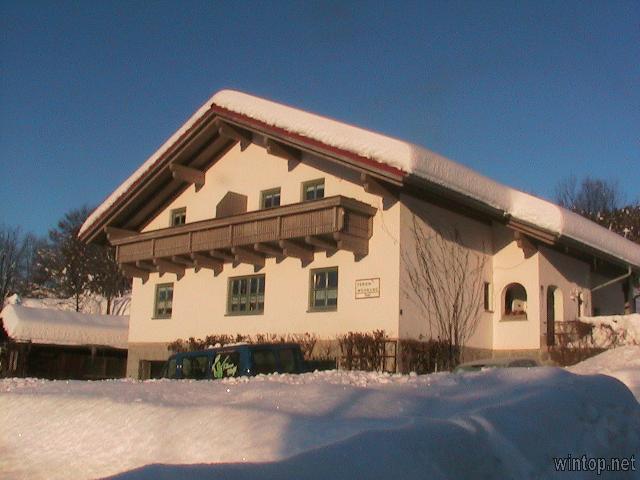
398 158
62 327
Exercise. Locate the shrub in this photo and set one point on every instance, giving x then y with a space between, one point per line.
364 351
307 341
426 356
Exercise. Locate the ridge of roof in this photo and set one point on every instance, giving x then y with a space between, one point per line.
407 158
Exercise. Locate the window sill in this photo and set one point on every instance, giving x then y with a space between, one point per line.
514 318
316 310
161 318
243 314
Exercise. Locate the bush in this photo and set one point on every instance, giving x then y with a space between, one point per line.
426 356
307 341
365 351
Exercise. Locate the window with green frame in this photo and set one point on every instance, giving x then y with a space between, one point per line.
246 295
178 216
313 190
270 198
323 294
163 306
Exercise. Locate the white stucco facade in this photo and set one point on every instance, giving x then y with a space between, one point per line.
200 299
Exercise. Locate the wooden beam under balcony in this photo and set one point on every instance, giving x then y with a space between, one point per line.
291 249
146 265
244 137
188 175
220 255
269 250
245 256
358 246
166 266
184 260
204 261
329 247
131 271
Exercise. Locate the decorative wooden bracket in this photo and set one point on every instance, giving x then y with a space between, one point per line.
375 187
359 246
329 247
246 256
188 175
269 250
292 155
203 261
291 249
220 255
525 244
165 266
131 271
225 130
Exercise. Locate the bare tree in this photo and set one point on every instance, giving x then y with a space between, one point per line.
12 253
593 198
446 283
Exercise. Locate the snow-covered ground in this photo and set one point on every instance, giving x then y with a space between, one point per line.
622 363
507 423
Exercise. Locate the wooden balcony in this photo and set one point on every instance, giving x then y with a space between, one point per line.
298 230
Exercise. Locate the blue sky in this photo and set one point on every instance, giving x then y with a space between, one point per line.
524 92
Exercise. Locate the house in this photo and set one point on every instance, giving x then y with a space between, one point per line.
59 344
255 217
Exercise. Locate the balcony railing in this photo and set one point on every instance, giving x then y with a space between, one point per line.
298 230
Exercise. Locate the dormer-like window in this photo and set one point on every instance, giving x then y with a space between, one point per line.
270 198
313 190
178 216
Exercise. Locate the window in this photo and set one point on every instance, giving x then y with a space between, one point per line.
195 367
488 297
287 360
515 302
264 361
313 190
246 295
178 216
270 198
324 289
164 301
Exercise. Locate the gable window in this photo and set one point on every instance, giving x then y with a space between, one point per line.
246 295
313 190
323 294
488 297
163 301
178 216
270 198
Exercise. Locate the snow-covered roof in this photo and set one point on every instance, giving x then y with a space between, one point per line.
59 327
407 158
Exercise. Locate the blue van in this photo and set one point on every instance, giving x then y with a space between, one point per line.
236 361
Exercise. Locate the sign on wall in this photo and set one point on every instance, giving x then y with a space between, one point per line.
367 288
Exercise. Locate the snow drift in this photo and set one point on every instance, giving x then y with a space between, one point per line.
500 424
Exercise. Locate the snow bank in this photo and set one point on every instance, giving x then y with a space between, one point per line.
503 423
409 158
41 325
622 363
614 330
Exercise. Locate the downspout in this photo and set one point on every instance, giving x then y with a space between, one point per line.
615 280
